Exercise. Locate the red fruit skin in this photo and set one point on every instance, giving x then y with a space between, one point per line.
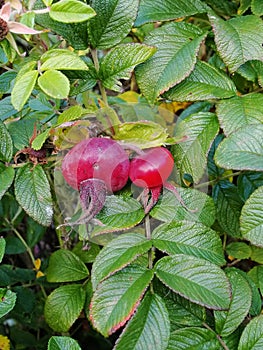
152 168
98 158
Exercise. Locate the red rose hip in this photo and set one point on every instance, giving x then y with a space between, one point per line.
152 168
99 158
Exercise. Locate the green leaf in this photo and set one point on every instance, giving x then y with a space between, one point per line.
71 11
251 220
63 306
177 47
32 191
244 6
242 150
62 59
23 88
182 312
6 108
40 139
248 182
6 80
7 301
252 71
228 206
143 134
113 22
74 33
256 274
117 254
239 250
62 343
257 7
86 255
65 266
240 111
72 113
204 83
252 336
165 10
2 248
256 297
257 254
54 84
191 155
6 144
169 208
195 279
7 175
120 62
189 238
226 322
238 40
117 297
152 321
119 213
193 338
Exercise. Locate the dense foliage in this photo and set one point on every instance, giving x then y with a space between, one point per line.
177 265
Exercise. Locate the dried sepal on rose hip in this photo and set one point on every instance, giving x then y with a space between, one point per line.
95 167
150 170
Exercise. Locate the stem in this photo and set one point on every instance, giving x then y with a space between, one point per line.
29 251
221 341
204 184
148 235
94 54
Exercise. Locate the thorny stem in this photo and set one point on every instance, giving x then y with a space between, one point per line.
204 184
221 341
94 55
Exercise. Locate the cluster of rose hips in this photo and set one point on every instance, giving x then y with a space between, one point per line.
100 165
